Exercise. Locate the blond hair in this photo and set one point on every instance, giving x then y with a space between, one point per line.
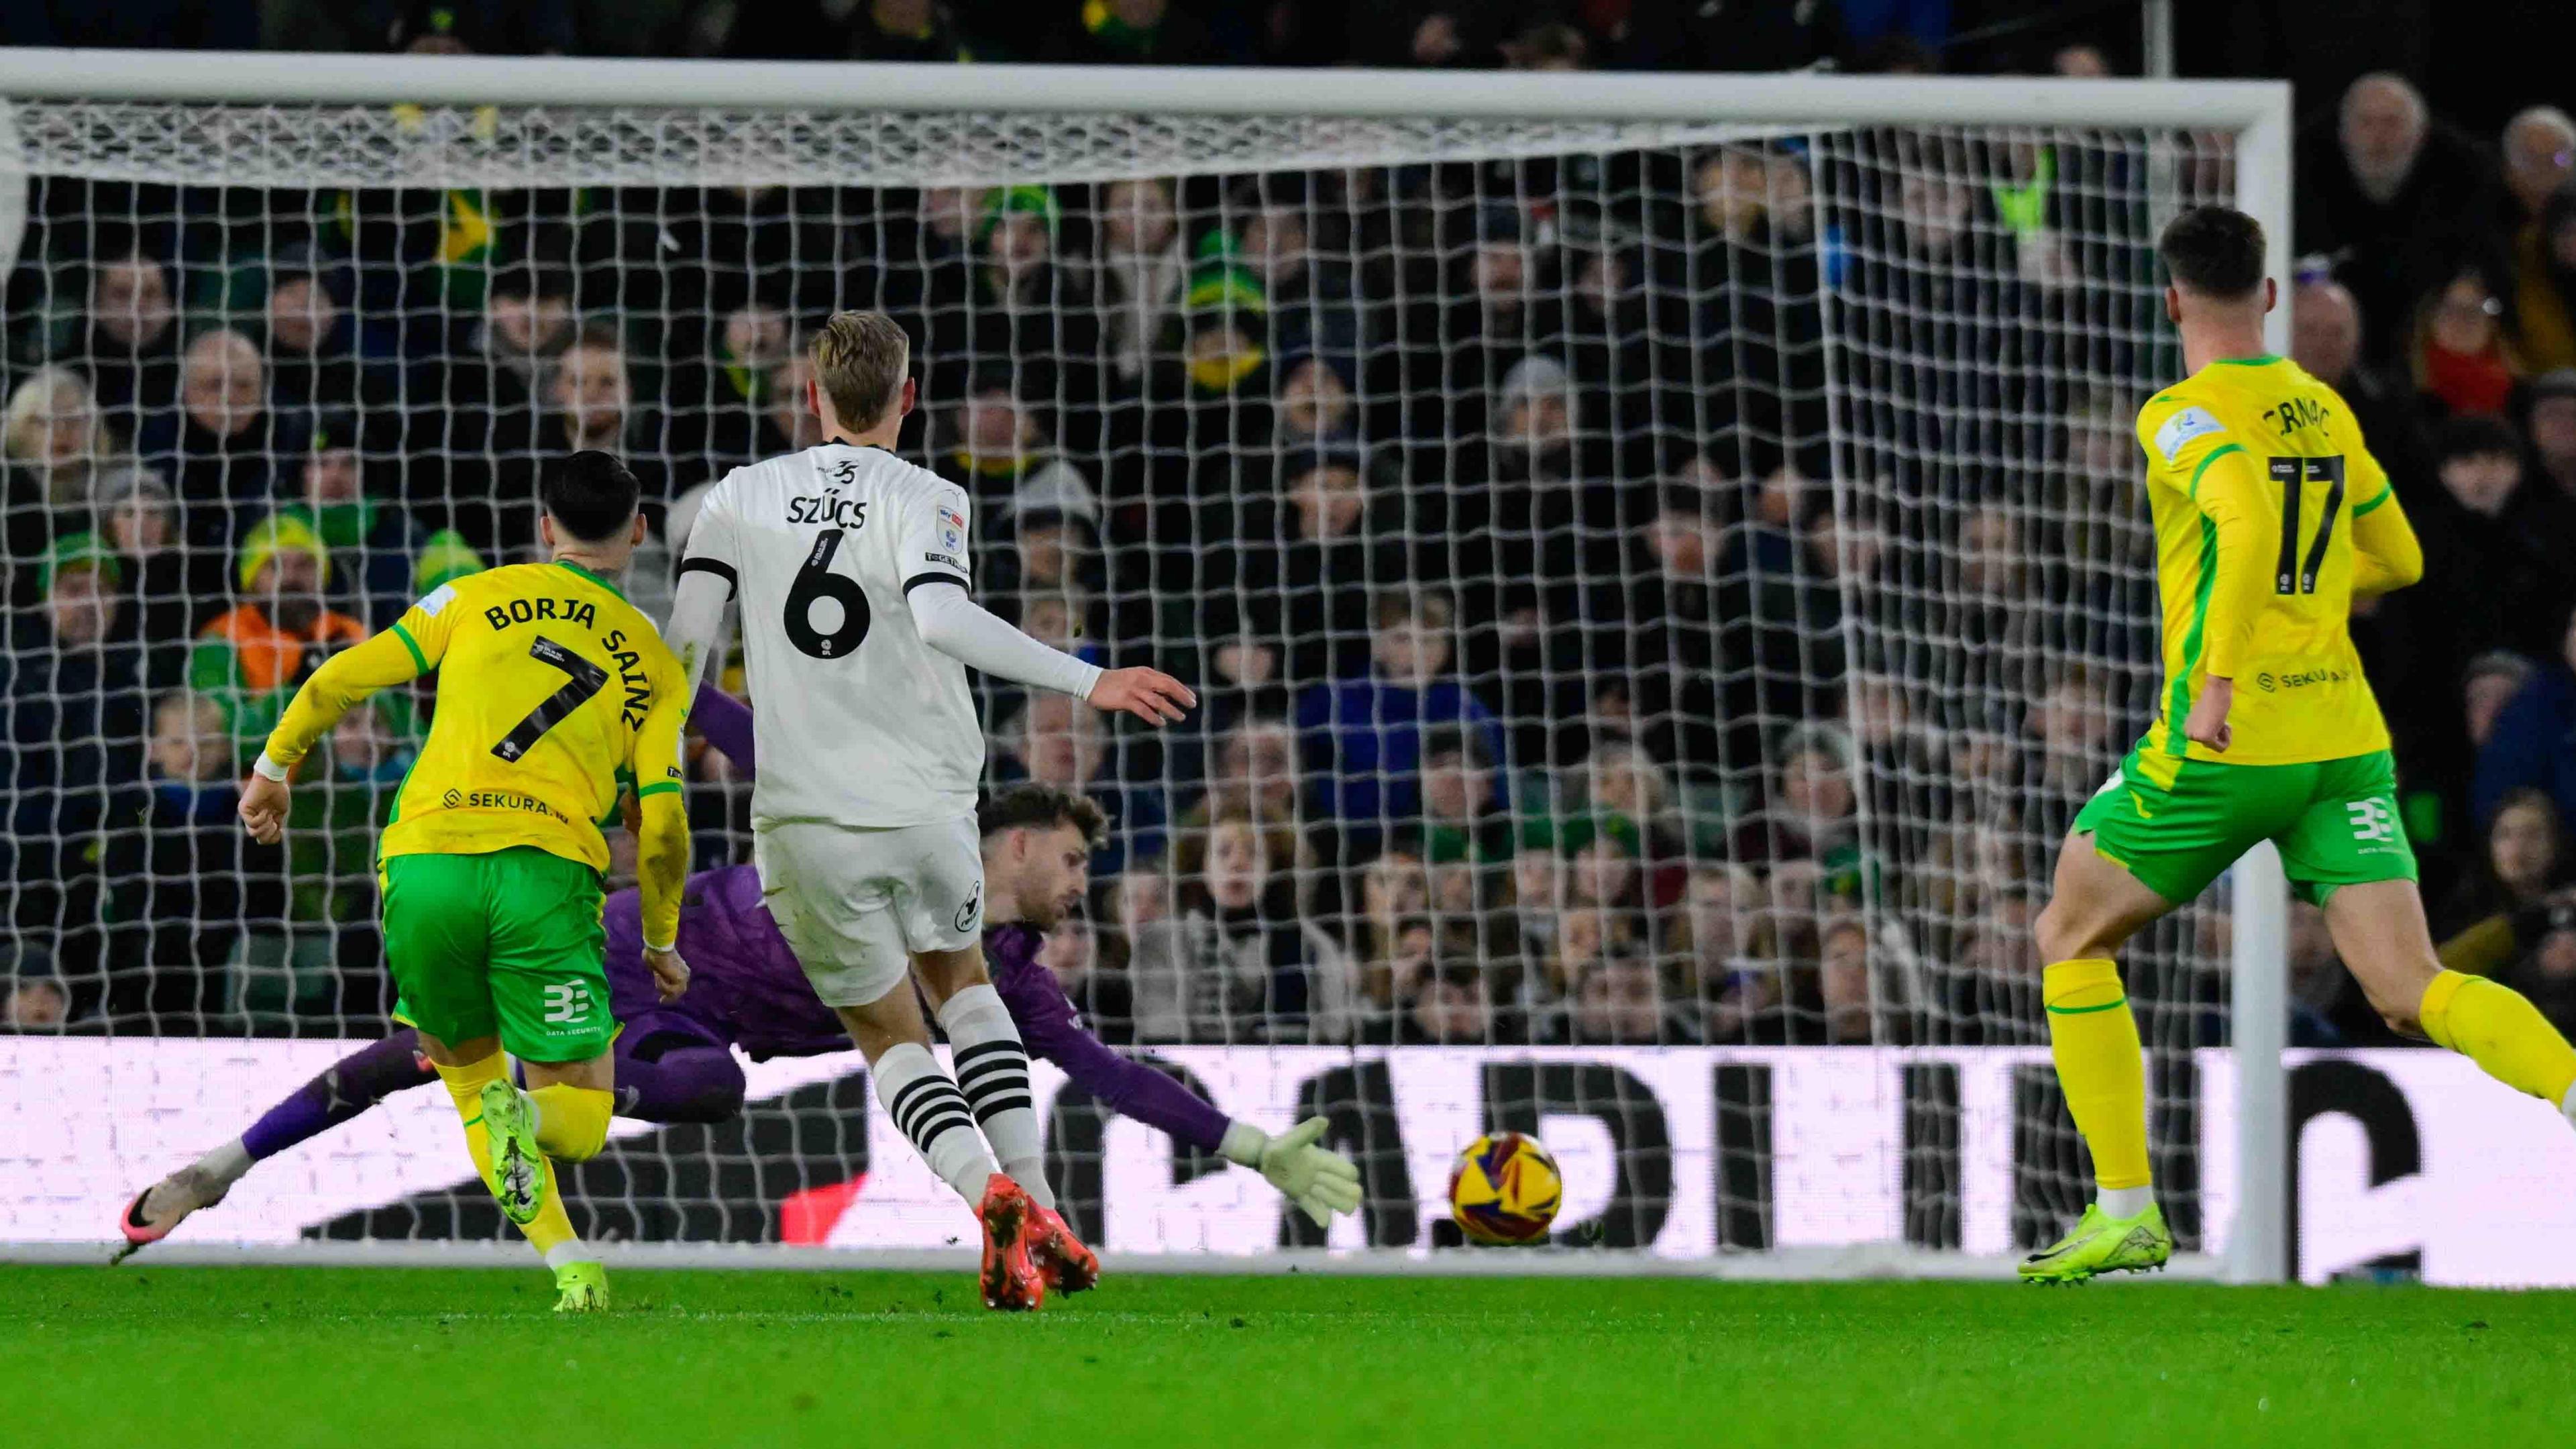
860 359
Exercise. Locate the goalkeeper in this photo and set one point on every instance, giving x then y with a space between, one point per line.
2271 517
674 1062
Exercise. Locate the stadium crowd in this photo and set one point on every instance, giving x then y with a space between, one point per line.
1563 680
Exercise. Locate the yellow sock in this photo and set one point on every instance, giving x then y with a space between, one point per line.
572 1122
465 1087
551 1234
2496 1027
551 1230
2094 1040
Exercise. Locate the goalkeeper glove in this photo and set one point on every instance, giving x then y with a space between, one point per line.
1320 1181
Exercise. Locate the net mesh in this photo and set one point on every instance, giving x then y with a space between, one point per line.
1660 593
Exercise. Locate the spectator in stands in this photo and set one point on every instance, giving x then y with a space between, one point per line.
1313 303
1126 32
1387 939
1633 799
1138 271
2539 151
1616 1003
1363 732
1306 562
36 1000
71 694
1810 815
2495 550
1071 952
1026 305
54 448
132 345
1316 403
590 403
2530 743
2396 197
315 358
2544 279
1447 1004
787 420
716 401
223 447
140 521
1252 774
2525 861
1845 983
1237 962
2463 358
185 883
1056 740
2549 420
1466 813
373 545
999 452
2325 338
249 660
480 392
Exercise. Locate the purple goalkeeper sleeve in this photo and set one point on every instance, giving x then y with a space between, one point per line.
344 1089
1050 1029
726 723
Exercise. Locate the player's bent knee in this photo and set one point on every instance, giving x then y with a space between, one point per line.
572 1122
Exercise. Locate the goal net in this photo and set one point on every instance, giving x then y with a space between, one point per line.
1661 577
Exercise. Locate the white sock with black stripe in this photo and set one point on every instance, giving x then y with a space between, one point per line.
993 1072
931 1111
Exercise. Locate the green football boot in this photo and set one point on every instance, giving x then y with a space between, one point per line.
518 1164
2102 1244
581 1288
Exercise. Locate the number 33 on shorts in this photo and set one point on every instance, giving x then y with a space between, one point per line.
567 1002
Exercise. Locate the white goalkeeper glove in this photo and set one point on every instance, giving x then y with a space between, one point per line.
1320 1181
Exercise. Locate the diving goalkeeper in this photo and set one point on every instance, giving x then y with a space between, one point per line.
2271 517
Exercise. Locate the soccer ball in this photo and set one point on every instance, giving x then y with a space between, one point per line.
1505 1189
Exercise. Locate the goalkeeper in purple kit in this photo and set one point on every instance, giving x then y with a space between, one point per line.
675 1062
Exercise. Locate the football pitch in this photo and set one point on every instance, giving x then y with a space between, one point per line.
393 1358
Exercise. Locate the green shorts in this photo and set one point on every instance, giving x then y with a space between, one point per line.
508 943
2335 822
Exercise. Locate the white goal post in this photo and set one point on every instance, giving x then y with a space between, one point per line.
307 123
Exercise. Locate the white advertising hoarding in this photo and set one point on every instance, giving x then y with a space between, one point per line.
2411 1158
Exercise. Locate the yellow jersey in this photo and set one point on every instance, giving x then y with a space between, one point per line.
2271 516
554 695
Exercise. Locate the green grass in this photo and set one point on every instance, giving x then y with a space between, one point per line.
390 1359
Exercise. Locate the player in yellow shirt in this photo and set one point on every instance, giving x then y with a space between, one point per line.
555 699
2271 518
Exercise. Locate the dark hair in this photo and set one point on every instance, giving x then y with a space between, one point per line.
2215 251
2474 435
1040 807
589 495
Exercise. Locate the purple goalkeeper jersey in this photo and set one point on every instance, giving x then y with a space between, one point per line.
746 989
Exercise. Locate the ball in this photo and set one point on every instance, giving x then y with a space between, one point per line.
1505 1189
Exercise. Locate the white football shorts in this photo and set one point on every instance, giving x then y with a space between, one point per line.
854 905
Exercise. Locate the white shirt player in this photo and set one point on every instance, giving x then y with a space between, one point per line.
860 721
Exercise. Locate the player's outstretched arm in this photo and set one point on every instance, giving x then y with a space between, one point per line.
390 658
1317 1179
967 632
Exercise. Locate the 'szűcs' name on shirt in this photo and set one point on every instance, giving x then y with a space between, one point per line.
828 509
